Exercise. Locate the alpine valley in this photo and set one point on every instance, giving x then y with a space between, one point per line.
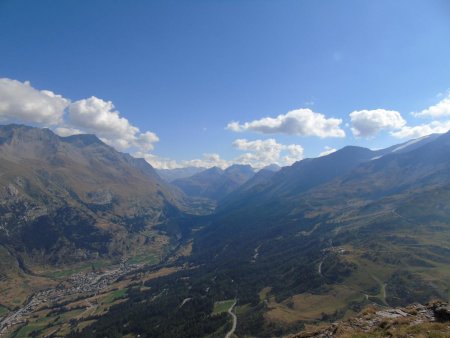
94 243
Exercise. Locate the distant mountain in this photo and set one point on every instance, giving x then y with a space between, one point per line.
311 172
215 183
327 183
411 144
405 169
170 175
298 178
65 199
251 188
272 167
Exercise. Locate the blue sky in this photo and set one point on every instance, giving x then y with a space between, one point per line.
183 70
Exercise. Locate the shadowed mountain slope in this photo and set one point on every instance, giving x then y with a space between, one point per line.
71 198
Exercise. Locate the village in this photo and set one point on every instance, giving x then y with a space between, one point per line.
84 284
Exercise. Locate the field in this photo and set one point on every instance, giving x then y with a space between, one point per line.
310 307
222 306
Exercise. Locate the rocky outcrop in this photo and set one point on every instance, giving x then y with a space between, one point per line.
441 311
417 320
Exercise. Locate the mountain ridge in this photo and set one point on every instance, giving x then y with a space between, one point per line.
45 177
215 183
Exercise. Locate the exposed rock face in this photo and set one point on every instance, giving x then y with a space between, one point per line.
441 311
431 320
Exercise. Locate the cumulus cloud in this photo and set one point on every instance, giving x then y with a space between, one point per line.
435 112
303 122
67 131
368 123
207 161
441 109
20 102
146 140
158 161
96 116
261 153
257 153
327 151
438 127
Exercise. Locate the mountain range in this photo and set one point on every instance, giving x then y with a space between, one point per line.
312 242
170 175
215 183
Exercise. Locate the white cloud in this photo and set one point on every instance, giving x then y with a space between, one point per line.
257 153
303 122
327 151
157 161
437 111
207 161
422 130
67 131
440 109
146 140
294 154
96 116
368 123
261 153
20 102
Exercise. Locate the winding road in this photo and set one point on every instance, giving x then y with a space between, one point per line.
319 270
383 292
233 328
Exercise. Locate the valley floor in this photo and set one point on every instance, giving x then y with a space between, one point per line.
81 297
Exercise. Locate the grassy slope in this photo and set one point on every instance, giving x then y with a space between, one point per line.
222 306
